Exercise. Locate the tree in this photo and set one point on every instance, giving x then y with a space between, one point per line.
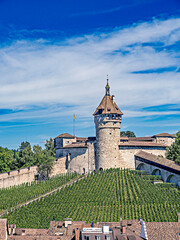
173 152
38 154
27 158
127 134
22 147
47 161
6 159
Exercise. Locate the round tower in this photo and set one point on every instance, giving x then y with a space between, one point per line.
107 118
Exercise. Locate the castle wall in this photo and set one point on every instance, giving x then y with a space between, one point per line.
81 160
17 177
25 175
126 154
167 141
166 175
59 166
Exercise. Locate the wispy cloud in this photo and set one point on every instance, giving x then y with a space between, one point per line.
58 74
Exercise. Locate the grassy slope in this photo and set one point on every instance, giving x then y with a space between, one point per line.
103 196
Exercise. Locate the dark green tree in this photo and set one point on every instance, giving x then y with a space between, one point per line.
23 146
27 158
48 159
173 152
6 159
127 134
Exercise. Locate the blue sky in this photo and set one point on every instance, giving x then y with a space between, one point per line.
55 55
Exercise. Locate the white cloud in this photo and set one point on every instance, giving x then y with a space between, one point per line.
73 72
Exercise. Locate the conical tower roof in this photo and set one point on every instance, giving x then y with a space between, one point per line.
107 105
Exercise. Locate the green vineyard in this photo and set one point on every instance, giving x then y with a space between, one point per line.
13 196
103 196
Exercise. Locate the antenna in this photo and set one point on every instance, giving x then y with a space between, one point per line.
74 125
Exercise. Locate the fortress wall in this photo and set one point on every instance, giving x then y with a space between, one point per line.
59 166
24 175
126 155
77 159
165 140
91 155
17 177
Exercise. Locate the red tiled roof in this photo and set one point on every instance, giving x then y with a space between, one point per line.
76 145
163 230
141 139
65 135
160 160
140 143
107 106
164 135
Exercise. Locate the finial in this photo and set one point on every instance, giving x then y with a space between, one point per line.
107 87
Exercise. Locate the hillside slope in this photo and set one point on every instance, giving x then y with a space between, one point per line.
103 196
16 195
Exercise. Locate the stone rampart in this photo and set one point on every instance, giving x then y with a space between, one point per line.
17 177
27 175
126 154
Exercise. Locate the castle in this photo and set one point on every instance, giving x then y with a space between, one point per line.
108 149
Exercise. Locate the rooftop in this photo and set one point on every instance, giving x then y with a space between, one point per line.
140 144
65 135
107 105
159 160
76 145
164 135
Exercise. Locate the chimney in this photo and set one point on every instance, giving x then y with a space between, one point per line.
123 229
178 215
77 233
143 233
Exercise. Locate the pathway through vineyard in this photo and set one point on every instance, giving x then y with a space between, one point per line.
42 196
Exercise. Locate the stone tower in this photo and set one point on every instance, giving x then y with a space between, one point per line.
107 118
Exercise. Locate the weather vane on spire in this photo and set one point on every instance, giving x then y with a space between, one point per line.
107 87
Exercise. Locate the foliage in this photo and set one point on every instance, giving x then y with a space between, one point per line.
27 156
6 159
127 134
173 152
22 147
103 196
13 196
47 160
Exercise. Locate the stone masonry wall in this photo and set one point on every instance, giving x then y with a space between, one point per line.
126 155
168 141
107 138
3 229
81 160
17 177
165 175
25 175
59 166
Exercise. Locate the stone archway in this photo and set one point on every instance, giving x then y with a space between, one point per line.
172 179
141 166
156 172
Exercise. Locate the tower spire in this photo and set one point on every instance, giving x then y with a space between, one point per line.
107 87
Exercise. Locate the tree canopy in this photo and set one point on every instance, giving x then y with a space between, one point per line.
173 152
127 134
27 156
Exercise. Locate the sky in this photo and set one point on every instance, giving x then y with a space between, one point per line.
55 57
